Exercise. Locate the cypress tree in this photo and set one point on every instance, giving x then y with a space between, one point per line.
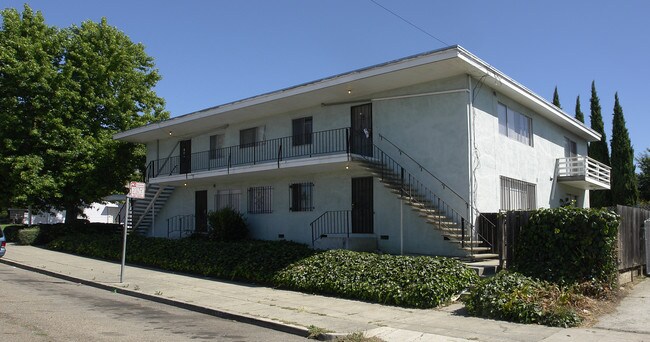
556 99
579 115
624 185
598 149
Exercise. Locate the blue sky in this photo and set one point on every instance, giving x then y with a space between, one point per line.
214 52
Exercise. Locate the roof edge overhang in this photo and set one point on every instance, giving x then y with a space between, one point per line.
474 65
531 99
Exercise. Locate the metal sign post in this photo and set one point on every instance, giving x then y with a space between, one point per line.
126 225
136 190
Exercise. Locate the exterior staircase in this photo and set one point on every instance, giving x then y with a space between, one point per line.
141 219
454 227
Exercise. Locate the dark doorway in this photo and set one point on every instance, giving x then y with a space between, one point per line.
186 156
361 135
362 206
201 211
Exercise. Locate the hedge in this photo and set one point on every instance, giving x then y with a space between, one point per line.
409 281
422 282
569 245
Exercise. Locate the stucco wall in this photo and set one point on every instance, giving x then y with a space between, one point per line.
497 155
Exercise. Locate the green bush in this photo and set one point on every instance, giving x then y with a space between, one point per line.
50 232
227 225
517 298
569 245
27 236
11 232
409 281
405 281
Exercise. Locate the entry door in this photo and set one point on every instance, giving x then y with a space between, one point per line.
362 206
201 211
186 156
361 135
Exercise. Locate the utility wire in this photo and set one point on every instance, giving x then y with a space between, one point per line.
410 23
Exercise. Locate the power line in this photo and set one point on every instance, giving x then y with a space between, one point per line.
410 23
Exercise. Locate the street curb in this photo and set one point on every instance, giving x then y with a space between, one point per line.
265 323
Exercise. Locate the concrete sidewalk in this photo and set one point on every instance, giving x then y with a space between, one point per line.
295 312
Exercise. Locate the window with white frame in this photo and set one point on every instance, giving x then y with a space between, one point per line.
260 200
216 146
517 195
515 125
230 198
302 131
301 196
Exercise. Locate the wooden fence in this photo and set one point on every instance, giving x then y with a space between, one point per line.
631 242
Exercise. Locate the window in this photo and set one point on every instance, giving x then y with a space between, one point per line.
216 146
515 125
259 200
248 137
228 199
570 148
517 195
302 131
301 196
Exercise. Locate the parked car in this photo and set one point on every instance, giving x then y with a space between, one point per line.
3 244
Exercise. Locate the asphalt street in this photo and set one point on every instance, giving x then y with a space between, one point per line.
35 307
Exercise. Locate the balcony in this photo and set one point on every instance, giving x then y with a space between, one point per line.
245 158
583 173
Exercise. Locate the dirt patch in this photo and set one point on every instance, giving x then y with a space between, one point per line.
592 309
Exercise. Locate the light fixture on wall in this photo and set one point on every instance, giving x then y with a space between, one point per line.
349 91
170 133
184 184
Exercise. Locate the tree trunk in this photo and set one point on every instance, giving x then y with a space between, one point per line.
71 213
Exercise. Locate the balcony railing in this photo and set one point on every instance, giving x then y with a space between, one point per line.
583 172
274 150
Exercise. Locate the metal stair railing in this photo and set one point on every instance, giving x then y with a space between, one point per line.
183 224
420 195
487 224
331 222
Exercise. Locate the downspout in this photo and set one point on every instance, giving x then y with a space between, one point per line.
470 144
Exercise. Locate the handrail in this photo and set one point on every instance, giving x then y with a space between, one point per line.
273 150
183 224
443 214
444 185
422 168
331 222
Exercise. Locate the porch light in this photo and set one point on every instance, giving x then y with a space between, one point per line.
170 133
349 91
184 184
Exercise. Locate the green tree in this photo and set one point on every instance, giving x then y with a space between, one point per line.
63 94
556 99
598 149
579 115
624 184
643 162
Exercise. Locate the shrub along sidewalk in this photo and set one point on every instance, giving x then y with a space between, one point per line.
408 281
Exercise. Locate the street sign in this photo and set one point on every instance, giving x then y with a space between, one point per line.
136 190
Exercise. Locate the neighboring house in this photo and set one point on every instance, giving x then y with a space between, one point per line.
97 212
398 157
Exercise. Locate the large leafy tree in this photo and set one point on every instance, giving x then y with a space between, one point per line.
643 162
63 94
579 115
624 184
598 149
